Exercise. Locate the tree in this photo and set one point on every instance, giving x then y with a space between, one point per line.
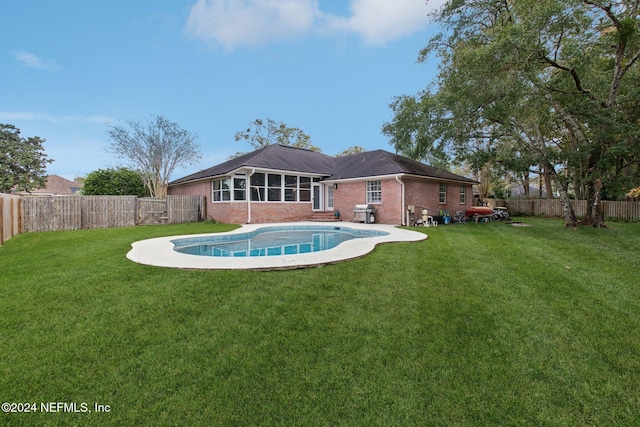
22 161
154 148
354 149
117 182
548 87
262 133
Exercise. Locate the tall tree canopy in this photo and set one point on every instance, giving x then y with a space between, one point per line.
23 163
262 133
154 148
544 86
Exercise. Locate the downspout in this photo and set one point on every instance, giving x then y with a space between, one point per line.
253 170
402 206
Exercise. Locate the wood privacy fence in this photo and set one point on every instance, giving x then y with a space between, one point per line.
9 217
624 211
39 213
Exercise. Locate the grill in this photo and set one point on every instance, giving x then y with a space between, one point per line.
364 213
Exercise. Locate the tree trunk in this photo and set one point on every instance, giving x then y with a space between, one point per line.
547 183
594 216
569 214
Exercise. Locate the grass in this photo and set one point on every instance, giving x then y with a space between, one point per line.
479 325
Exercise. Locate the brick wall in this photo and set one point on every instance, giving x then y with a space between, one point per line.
238 212
418 192
425 194
350 194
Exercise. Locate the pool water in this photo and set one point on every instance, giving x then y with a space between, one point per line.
272 241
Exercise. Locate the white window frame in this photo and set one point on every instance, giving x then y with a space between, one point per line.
463 194
442 193
374 191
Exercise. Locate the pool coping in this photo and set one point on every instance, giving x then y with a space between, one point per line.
159 251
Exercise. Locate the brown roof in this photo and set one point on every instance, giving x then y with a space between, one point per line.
56 186
360 165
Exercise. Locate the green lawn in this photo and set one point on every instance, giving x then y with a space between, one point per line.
482 324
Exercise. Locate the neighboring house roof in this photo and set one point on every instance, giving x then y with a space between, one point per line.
55 186
360 165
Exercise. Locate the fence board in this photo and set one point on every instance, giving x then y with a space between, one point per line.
185 209
625 211
108 211
51 213
10 220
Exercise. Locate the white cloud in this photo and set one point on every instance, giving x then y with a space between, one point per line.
32 61
380 21
250 22
233 23
29 117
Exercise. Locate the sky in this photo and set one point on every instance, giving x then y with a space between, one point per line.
70 69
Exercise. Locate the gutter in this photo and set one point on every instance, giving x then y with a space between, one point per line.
253 170
397 177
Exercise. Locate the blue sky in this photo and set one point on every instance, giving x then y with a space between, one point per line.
328 67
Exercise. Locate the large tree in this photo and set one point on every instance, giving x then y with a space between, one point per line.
154 148
262 133
116 182
538 86
23 162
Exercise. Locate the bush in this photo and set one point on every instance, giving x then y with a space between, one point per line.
114 182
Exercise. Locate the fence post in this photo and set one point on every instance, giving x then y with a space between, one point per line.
1 221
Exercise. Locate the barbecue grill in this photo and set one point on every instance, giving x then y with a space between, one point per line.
364 213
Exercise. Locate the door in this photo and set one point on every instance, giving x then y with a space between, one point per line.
328 190
317 196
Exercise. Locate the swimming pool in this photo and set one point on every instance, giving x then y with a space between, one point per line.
160 251
272 241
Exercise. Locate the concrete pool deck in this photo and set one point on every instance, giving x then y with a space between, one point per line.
159 251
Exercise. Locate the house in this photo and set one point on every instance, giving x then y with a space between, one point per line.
55 185
281 183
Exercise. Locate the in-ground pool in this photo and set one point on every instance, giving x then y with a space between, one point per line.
161 251
272 241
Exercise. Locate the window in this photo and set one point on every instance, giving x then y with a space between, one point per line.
442 193
258 187
330 196
290 188
374 191
275 187
463 194
240 187
221 189
305 189
263 187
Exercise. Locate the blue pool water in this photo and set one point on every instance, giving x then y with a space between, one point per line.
272 241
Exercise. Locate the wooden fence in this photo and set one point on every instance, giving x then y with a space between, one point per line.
40 213
9 217
624 211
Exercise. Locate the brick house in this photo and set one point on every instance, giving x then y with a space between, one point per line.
281 184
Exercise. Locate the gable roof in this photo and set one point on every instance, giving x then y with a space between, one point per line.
361 165
276 157
55 185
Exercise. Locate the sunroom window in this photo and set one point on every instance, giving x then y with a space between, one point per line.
258 187
274 187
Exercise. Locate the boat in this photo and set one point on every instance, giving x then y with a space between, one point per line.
479 210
